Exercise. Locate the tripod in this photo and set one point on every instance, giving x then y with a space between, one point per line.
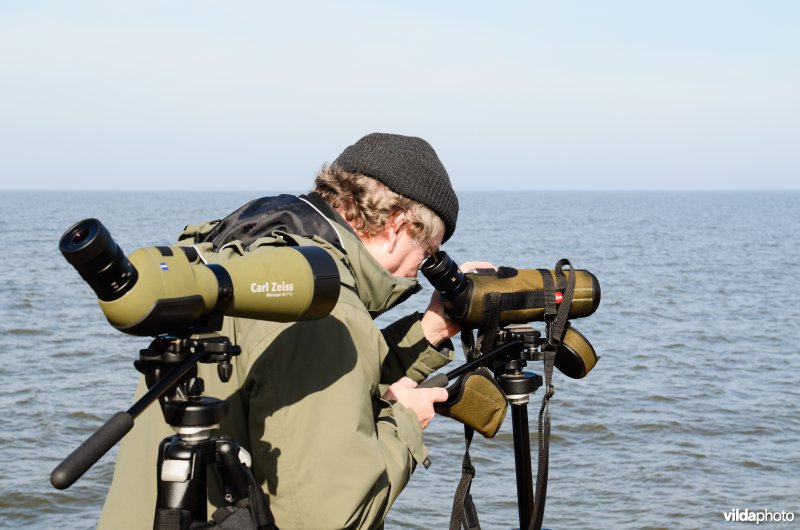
515 345
169 365
183 459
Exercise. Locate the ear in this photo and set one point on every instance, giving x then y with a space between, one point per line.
394 228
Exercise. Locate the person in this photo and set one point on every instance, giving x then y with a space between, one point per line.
329 409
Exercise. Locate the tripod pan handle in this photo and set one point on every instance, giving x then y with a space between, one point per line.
90 451
438 380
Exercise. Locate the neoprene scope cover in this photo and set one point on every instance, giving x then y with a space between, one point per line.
476 400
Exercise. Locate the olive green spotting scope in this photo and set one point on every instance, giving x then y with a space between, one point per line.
522 291
516 296
168 289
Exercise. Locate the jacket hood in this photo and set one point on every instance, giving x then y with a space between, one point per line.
377 289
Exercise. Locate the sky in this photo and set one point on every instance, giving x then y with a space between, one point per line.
533 95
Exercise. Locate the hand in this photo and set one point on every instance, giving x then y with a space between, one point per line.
435 323
420 400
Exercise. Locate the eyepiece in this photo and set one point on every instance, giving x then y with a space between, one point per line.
444 275
76 243
89 247
79 236
452 284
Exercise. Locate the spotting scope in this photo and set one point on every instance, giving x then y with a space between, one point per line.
522 291
518 296
171 288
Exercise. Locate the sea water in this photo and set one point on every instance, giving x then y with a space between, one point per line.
691 413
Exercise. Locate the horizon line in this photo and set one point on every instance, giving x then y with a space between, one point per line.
458 190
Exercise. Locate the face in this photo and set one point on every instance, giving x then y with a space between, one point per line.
411 255
398 251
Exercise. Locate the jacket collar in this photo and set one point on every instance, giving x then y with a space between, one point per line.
378 290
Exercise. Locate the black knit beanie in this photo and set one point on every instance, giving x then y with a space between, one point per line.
408 166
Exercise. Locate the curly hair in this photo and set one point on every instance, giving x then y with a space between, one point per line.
368 205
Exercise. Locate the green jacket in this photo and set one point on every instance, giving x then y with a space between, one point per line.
305 401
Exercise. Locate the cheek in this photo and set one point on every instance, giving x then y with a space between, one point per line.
410 264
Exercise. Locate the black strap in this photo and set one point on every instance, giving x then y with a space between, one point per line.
544 443
464 515
556 323
562 315
488 333
250 513
168 519
522 300
259 507
549 292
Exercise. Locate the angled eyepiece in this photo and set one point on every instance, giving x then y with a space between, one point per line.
89 247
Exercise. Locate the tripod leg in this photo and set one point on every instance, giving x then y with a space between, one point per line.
233 471
522 459
241 484
182 483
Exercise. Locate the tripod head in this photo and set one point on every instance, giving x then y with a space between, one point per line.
518 384
170 368
169 365
183 404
